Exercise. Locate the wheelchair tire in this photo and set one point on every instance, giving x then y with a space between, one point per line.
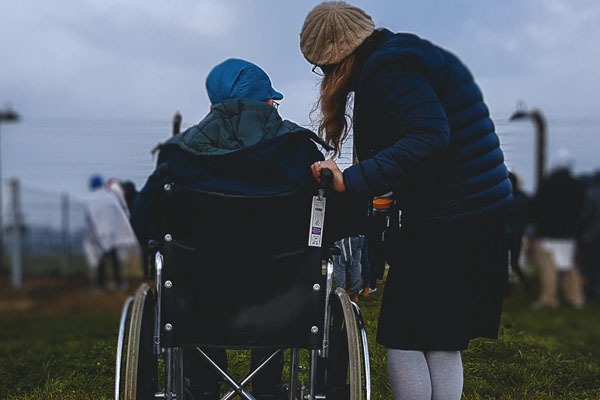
366 362
121 346
343 376
141 365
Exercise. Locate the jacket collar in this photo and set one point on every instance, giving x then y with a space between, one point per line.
370 45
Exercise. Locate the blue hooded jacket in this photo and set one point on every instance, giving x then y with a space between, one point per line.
422 130
241 148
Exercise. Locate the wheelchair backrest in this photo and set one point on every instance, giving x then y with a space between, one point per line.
239 271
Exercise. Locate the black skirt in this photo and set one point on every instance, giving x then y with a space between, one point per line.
446 284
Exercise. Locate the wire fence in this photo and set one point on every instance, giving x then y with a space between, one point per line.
42 232
50 224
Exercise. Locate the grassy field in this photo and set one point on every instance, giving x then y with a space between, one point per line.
57 341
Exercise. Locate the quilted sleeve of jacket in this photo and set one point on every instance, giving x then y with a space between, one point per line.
393 88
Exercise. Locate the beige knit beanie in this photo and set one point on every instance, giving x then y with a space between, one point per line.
332 31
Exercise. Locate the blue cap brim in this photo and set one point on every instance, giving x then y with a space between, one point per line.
275 95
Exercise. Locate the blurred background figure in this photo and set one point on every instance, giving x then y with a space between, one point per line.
129 256
108 233
347 267
114 185
589 241
557 216
369 281
129 191
518 219
383 219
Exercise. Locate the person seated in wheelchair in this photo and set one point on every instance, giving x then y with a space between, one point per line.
243 113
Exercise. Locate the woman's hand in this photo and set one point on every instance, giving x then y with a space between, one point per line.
338 178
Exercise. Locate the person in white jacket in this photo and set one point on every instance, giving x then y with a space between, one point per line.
108 232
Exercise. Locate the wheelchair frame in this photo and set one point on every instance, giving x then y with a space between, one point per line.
139 344
126 378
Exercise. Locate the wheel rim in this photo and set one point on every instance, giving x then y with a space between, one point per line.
125 313
348 330
136 374
366 363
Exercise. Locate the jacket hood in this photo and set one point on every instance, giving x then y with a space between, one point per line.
234 125
235 78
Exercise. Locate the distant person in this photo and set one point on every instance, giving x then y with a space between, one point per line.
519 216
130 256
369 280
382 220
114 185
422 131
139 257
107 233
125 191
129 191
589 240
557 218
383 223
347 267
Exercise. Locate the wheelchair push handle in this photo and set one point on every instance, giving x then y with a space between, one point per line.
326 179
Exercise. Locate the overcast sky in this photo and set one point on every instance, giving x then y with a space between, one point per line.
97 81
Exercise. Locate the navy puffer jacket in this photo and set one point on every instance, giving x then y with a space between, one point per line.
422 130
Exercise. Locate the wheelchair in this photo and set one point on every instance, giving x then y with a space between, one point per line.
239 273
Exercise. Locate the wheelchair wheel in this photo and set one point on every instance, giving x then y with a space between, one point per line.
344 373
141 365
123 330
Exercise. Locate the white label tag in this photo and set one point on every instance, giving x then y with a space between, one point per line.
317 217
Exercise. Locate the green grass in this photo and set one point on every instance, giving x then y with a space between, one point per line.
49 264
58 357
548 354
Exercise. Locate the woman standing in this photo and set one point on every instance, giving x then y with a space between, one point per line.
422 131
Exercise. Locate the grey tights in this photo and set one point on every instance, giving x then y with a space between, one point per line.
430 375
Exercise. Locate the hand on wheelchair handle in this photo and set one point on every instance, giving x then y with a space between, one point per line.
328 174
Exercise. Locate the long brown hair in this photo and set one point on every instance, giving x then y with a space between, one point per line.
336 86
